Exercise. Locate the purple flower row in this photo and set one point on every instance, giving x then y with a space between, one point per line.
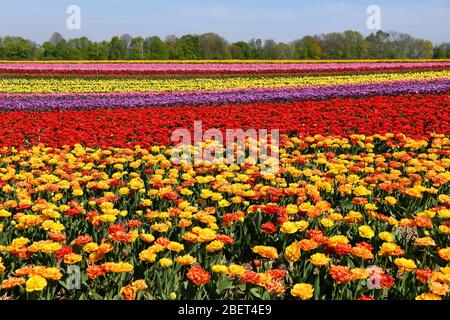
31 102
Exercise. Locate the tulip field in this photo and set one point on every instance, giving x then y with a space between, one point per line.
93 205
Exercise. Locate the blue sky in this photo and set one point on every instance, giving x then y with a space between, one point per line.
282 20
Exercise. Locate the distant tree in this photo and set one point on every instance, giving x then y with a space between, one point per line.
241 50
17 48
333 45
49 51
314 49
236 52
422 49
80 49
126 39
136 49
117 49
405 46
277 51
400 44
2 50
378 45
56 38
189 45
74 50
355 46
269 49
283 51
103 50
173 45
307 48
155 49
441 51
92 50
38 53
61 50
213 46
336 45
257 48
346 45
447 49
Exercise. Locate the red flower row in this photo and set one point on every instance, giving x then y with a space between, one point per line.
414 115
203 74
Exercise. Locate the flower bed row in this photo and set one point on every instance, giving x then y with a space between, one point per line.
78 85
32 102
364 217
228 61
413 114
155 69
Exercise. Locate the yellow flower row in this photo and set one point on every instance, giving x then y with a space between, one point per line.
378 200
53 85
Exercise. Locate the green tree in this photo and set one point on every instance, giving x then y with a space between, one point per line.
241 50
17 48
2 50
173 46
333 45
102 50
80 49
441 51
56 38
136 49
406 46
307 47
213 46
117 49
283 51
189 46
345 45
269 49
378 45
236 52
155 49
49 51
257 48
277 51
355 46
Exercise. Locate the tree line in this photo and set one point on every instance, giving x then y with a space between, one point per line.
211 46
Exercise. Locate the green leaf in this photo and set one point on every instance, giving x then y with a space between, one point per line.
95 295
317 288
241 286
266 295
224 285
256 292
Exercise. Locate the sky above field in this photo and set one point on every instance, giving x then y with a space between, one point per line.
281 20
